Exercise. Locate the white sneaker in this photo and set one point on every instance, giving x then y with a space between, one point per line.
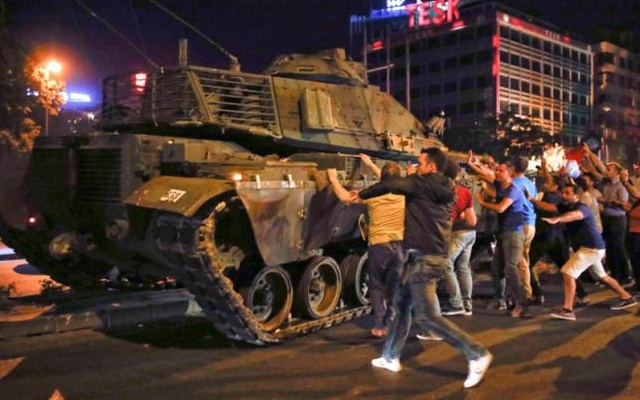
477 369
428 336
391 365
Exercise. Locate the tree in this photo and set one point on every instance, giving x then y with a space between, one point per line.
503 137
23 88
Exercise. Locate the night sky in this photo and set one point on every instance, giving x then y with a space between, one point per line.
254 31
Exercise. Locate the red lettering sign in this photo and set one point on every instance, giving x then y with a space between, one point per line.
435 12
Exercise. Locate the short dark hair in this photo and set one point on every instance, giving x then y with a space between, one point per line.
520 164
576 189
390 170
452 169
437 157
582 183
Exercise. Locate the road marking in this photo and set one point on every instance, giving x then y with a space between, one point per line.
6 366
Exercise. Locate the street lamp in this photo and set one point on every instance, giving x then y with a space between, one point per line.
52 67
605 133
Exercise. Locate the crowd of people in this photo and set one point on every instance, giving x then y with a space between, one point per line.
422 231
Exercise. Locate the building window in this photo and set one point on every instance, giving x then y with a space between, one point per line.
547 92
515 84
525 87
606 58
556 116
525 110
546 47
435 67
535 66
450 110
467 59
536 43
466 35
467 84
482 81
515 36
515 60
547 69
547 114
484 31
535 112
556 72
556 94
466 107
504 81
450 63
504 32
484 56
525 63
535 89
504 57
450 87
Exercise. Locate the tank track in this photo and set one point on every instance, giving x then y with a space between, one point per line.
30 245
201 272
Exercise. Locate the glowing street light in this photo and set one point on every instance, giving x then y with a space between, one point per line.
51 67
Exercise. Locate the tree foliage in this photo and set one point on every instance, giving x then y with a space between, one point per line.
24 88
503 137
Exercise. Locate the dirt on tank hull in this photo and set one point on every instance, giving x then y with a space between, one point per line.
218 179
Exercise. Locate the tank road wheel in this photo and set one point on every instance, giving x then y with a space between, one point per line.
269 297
355 272
318 291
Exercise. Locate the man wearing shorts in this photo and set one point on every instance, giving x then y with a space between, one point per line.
589 252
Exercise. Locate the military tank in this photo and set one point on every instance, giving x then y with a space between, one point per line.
217 178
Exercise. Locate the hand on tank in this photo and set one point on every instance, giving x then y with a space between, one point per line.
354 196
332 174
411 169
366 159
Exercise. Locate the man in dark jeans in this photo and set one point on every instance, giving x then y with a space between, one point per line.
386 231
614 223
429 198
509 206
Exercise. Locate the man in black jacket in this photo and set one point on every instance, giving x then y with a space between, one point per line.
429 198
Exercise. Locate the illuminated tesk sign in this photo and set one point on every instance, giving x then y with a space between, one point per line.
434 12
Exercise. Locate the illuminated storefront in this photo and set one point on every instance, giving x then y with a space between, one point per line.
473 58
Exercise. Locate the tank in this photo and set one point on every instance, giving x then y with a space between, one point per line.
217 178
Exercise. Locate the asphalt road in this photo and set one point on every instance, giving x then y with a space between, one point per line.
596 357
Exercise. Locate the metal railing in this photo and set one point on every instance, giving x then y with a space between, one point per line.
191 95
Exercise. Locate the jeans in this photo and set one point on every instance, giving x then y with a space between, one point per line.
457 276
505 265
419 291
385 263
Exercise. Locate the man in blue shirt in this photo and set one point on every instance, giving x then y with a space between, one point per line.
508 254
520 165
581 226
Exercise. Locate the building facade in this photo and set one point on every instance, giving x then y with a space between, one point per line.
472 59
616 110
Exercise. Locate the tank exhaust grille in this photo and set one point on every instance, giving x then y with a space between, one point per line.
100 175
49 177
190 95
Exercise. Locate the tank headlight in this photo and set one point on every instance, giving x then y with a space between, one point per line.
237 176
